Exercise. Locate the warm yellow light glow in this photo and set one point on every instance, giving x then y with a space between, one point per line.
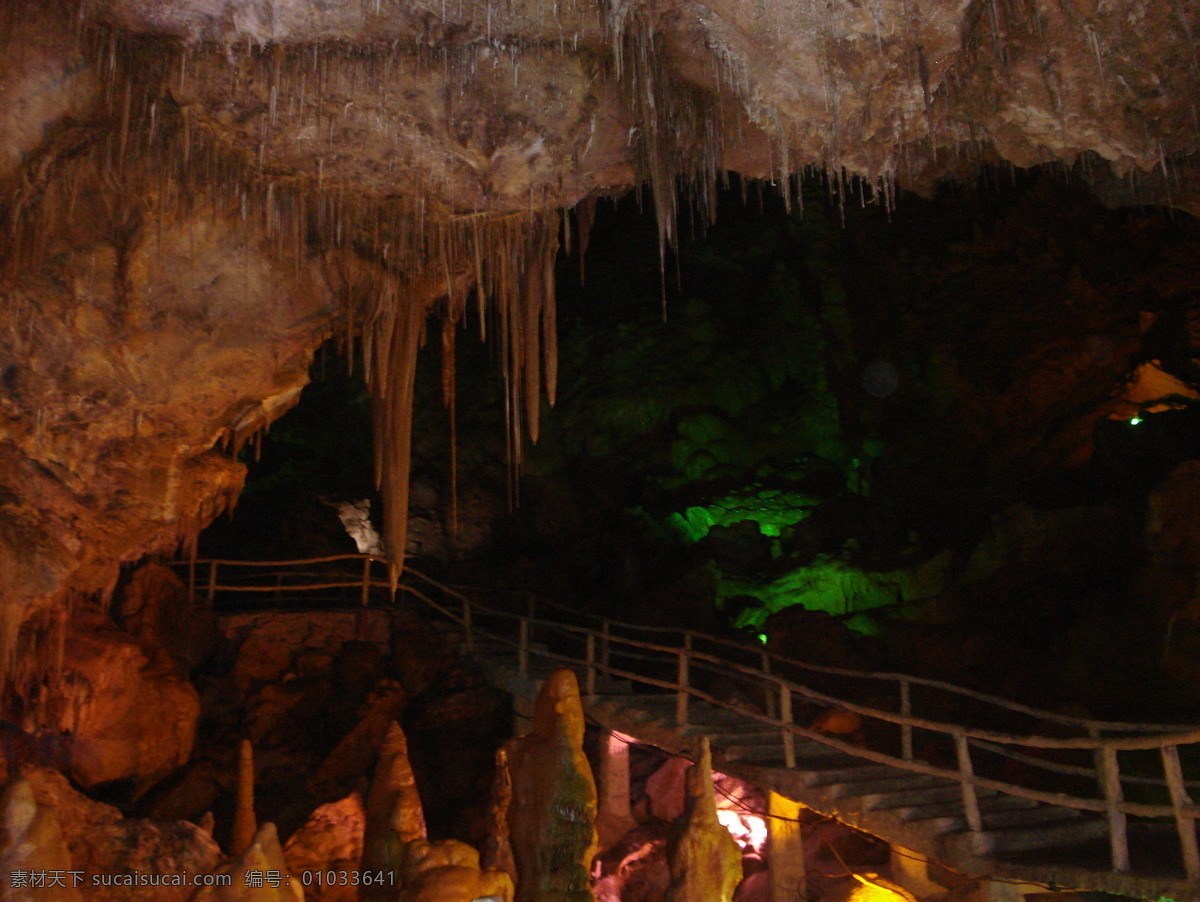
871 889
746 829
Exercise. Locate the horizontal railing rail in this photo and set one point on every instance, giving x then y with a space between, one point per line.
605 648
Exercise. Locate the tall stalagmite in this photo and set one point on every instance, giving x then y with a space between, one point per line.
552 819
706 862
245 821
396 844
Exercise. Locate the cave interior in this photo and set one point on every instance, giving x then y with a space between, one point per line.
865 334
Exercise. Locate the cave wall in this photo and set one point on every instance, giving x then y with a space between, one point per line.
189 188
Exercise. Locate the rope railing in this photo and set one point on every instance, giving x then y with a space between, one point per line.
606 649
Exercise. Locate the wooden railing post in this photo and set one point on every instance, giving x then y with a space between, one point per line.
468 628
906 749
770 698
605 627
366 582
681 693
1110 784
212 582
785 717
531 611
966 775
590 673
523 649
1184 821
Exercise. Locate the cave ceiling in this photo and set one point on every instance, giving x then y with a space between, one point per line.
496 106
197 193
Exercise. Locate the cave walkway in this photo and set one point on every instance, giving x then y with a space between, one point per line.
982 785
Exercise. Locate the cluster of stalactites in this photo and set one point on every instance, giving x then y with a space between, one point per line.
410 257
499 270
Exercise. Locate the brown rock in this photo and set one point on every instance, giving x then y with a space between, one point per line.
129 716
361 746
331 839
155 608
259 874
31 840
101 842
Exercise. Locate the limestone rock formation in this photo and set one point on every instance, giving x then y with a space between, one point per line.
393 810
103 459
498 853
331 839
155 608
32 841
448 871
356 751
245 821
395 841
259 874
706 862
552 819
128 715
101 841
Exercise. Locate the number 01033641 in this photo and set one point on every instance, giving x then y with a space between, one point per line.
347 878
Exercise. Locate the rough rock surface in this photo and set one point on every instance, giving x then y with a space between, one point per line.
395 841
331 839
259 874
706 862
552 819
102 842
127 714
103 459
32 840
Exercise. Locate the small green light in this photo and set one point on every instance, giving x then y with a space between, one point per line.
1135 421
762 637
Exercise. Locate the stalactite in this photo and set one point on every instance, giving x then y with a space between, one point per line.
450 320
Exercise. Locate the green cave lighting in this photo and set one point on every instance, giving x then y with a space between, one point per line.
1134 421
771 509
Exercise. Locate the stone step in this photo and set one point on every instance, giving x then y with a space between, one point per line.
805 752
749 737
1066 833
952 807
896 782
1004 818
946 791
840 769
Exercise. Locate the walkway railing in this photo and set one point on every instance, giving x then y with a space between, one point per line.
1113 769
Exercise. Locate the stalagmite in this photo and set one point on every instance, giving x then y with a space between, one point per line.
259 874
615 817
245 823
32 841
395 842
394 813
449 871
497 853
706 862
552 819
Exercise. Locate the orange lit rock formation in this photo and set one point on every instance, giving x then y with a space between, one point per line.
552 818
